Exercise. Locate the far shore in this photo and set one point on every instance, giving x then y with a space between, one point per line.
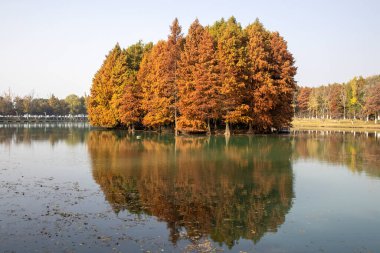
335 124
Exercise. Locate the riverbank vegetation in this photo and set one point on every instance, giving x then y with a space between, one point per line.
341 124
357 99
215 76
13 105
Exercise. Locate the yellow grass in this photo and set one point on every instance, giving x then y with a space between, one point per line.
301 123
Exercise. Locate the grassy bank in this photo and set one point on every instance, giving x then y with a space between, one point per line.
311 124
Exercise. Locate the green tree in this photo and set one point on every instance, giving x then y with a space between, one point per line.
74 104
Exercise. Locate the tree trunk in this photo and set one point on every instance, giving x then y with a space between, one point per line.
375 118
227 132
208 127
250 129
215 127
133 128
344 112
175 122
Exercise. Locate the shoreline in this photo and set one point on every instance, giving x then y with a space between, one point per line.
332 124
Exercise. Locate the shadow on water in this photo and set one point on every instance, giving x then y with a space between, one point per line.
200 186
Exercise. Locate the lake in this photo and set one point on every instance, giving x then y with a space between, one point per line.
70 188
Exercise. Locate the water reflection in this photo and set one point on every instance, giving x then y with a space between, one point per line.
199 186
70 133
205 189
358 151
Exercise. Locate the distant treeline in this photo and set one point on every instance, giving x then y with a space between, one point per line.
11 105
216 76
358 98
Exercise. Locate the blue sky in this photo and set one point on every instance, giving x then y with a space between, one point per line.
56 46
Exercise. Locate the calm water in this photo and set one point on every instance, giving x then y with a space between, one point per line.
68 188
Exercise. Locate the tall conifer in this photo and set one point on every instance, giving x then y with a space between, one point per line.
233 66
262 88
175 44
283 73
198 80
129 99
100 111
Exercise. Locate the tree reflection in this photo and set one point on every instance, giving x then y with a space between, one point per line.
359 152
197 184
71 134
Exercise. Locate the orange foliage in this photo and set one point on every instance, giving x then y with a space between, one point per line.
198 80
224 72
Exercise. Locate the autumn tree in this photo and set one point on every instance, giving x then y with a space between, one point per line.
27 100
343 95
157 76
334 101
100 109
127 98
282 74
356 95
175 45
54 104
222 72
231 55
372 103
198 81
303 101
19 105
323 101
313 104
158 95
6 103
216 30
40 106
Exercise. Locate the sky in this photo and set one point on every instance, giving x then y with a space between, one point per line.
56 47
